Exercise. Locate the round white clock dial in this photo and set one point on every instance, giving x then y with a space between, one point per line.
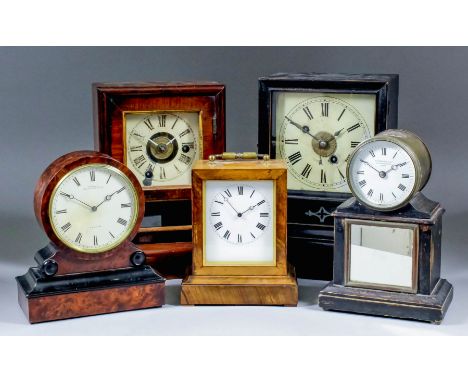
240 214
382 175
93 208
161 147
316 135
239 222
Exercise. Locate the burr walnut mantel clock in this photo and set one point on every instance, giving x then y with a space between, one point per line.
159 130
90 206
239 237
314 122
388 237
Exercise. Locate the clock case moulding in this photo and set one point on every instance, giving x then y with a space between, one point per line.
67 283
240 285
310 221
433 294
168 243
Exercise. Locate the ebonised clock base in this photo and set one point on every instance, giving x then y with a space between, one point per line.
429 308
45 298
240 290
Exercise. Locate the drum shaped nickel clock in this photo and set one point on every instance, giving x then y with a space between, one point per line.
314 122
158 130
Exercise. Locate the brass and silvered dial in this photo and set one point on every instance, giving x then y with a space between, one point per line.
162 146
316 134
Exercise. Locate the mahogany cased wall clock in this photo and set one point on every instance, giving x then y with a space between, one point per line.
159 130
314 122
90 206
388 236
239 219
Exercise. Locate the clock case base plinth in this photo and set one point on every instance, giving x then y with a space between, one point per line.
240 290
432 295
428 308
45 298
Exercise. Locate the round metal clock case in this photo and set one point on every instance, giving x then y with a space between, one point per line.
386 171
89 202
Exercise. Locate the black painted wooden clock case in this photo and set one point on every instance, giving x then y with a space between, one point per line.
310 223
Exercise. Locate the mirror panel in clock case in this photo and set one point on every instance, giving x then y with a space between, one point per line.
381 256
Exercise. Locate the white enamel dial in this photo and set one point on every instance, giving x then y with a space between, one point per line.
382 174
316 134
93 208
161 147
239 221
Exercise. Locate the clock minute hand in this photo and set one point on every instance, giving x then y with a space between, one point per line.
106 198
228 202
71 197
304 129
372 167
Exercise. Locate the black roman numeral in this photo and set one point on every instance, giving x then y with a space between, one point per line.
325 109
78 238
362 183
228 193
251 234
252 193
75 179
148 123
92 175
122 221
66 227
140 161
110 233
263 214
185 159
384 151
354 144
405 175
294 158
360 172
136 148
342 176
260 202
306 171
341 114
240 190
95 240
183 133
227 234
61 212
120 190
107 181
381 197
162 173
308 113
162 120
217 201
239 238
216 214
175 122
372 153
370 192
323 176
125 205
402 187
291 141
218 226
261 226
354 127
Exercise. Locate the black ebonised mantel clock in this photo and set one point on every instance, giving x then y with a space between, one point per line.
314 122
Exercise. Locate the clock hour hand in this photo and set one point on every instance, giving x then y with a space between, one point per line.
228 202
305 129
338 132
106 198
71 197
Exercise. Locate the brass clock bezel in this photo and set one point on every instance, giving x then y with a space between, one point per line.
130 226
415 153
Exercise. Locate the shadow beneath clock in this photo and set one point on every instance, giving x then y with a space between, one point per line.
309 291
173 292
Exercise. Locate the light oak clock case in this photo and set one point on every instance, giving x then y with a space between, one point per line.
310 223
71 283
273 284
167 238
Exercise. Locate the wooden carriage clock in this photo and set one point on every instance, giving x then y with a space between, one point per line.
314 121
159 130
388 237
239 233
90 206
